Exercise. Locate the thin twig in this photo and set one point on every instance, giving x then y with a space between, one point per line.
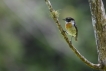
54 16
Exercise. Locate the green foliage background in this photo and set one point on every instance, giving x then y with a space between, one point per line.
30 40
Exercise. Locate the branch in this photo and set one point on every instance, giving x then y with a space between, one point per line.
55 17
99 24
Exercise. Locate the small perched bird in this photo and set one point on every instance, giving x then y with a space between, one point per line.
71 27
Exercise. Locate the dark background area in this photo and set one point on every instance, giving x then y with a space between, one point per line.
31 41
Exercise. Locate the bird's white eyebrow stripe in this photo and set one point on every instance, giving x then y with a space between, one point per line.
71 22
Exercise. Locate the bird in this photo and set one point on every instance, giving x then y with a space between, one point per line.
71 27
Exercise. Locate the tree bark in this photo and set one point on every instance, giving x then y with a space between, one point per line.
99 24
55 15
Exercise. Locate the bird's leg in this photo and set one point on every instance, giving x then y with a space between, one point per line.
65 31
71 40
71 36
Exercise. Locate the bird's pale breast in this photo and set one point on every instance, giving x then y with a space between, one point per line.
70 29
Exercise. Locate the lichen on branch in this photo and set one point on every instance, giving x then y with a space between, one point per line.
55 18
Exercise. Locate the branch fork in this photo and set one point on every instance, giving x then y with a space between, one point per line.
55 18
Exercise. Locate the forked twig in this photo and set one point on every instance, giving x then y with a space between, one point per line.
55 18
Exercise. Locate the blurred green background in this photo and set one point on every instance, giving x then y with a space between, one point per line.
30 40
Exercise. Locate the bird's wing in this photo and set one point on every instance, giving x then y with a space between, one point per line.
76 31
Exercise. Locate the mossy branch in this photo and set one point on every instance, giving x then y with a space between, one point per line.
55 18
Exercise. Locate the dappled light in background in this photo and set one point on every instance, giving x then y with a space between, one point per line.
31 41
